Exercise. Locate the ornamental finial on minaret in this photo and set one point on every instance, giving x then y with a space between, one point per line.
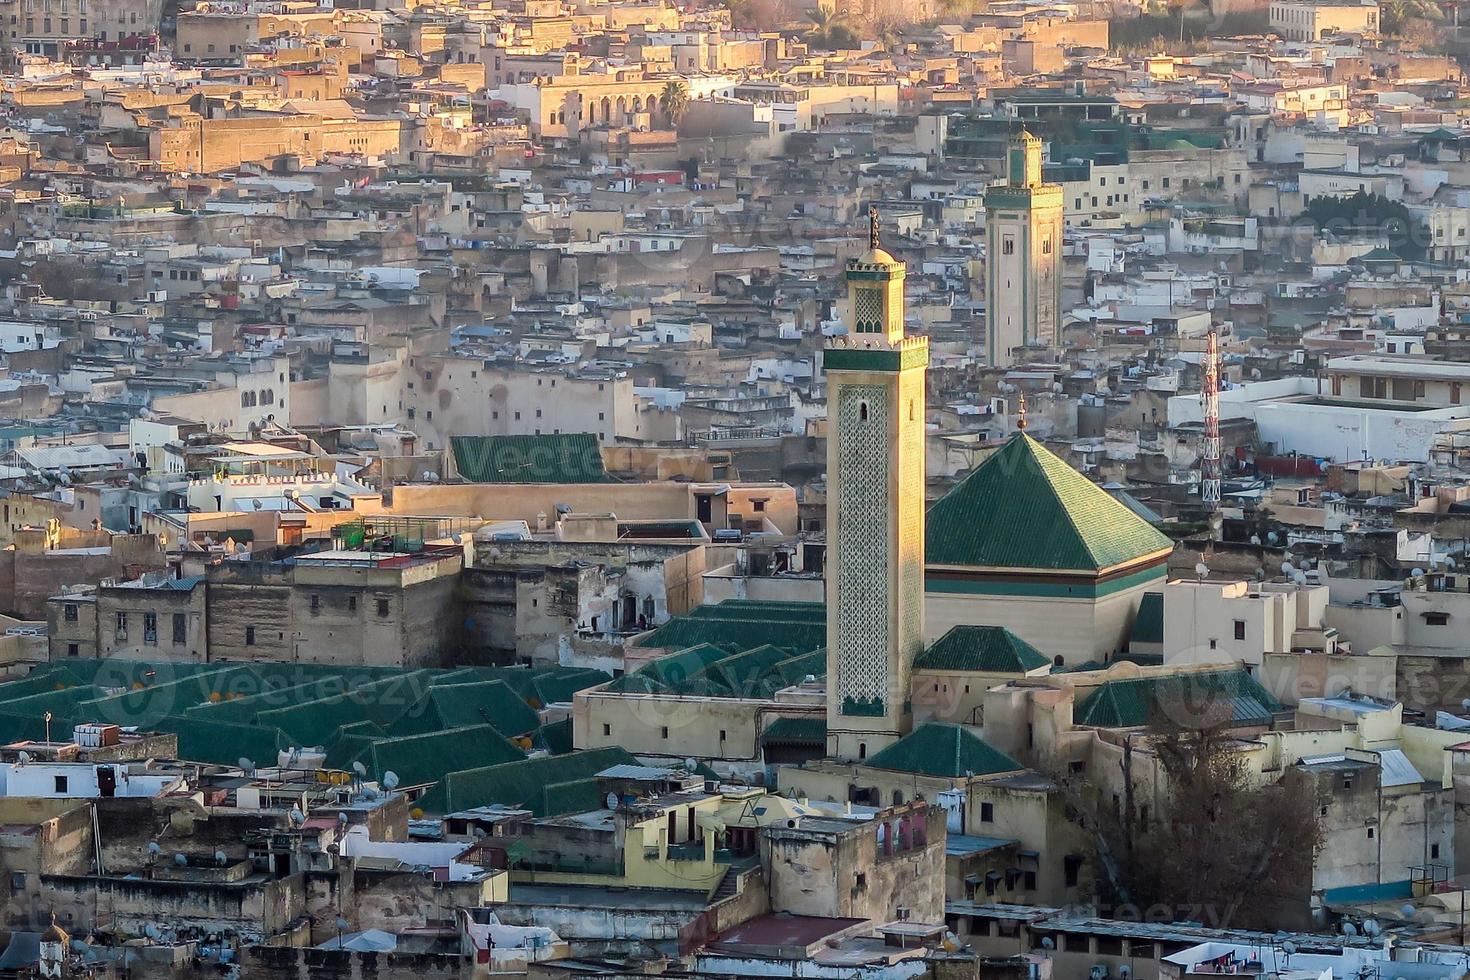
1021 413
873 226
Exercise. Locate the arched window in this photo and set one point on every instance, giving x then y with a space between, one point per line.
862 411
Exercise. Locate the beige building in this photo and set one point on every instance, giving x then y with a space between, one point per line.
341 607
153 618
51 27
1296 20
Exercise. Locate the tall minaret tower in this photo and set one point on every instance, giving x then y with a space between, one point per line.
875 509
1023 256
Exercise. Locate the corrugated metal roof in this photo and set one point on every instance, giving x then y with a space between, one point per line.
1024 507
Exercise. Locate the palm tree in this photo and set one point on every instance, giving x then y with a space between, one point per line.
829 30
1394 15
674 99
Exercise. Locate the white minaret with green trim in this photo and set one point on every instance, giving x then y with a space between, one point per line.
875 509
1023 256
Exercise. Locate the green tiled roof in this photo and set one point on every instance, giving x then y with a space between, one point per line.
224 743
528 783
421 759
737 625
991 649
315 722
567 458
556 737
1195 698
460 705
1024 507
941 749
810 731
1148 625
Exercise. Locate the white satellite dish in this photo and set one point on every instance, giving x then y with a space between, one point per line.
1201 570
611 801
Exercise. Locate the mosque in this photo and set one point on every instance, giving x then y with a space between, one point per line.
1026 566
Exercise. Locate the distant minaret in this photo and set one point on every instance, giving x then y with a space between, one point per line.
1209 486
875 509
1023 256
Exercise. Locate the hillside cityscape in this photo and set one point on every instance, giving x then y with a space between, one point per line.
713 489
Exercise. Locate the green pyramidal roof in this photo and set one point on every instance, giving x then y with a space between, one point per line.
941 749
994 649
1025 507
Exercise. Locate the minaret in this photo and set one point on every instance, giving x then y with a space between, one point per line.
875 509
1023 256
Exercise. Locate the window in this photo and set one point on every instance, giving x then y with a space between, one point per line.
1434 851
606 729
382 608
250 636
1370 833
987 813
1214 644
72 650
71 612
180 629
60 784
150 627
1008 246
1436 619
664 732
122 626
1071 870
1240 629
722 734
352 603
316 604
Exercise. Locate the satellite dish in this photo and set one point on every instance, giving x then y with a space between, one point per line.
343 925
1048 943
153 848
691 764
1201 570
1288 947
1371 927
390 780
611 801
181 859
1255 539
1287 568
245 763
221 858
297 817
1271 536
1125 971
150 930
359 768
24 757
342 817
1407 910
1348 929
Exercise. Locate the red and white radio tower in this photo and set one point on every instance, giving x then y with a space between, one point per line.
1210 396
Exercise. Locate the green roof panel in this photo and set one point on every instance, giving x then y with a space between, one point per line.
1025 507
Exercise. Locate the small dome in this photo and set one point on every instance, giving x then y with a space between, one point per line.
876 256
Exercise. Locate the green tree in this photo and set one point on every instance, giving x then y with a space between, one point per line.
675 100
1395 15
829 31
1222 846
